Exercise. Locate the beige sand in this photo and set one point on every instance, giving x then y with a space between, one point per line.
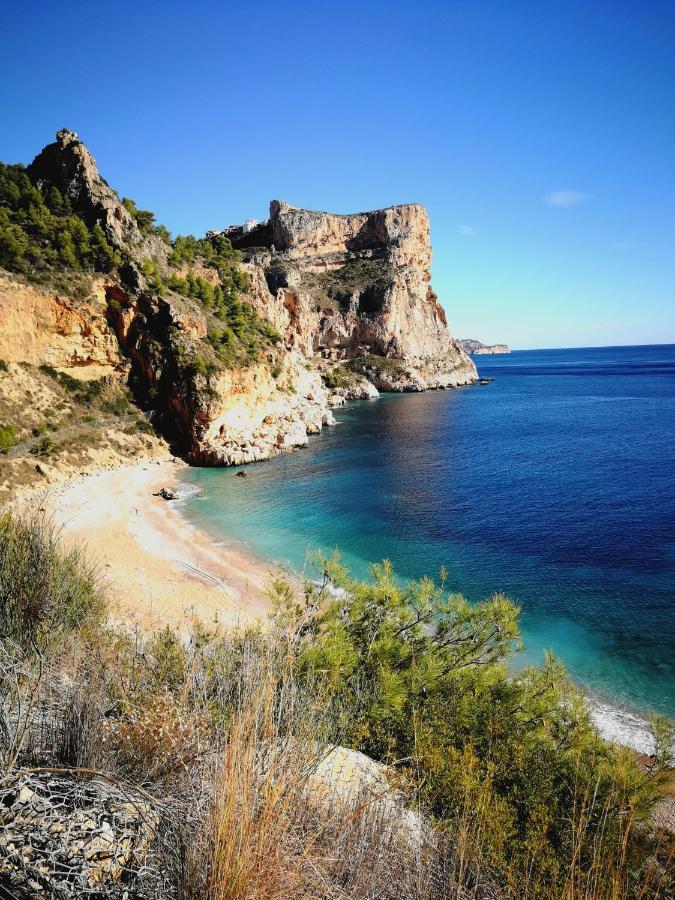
157 568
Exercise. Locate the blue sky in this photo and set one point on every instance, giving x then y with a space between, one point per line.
539 135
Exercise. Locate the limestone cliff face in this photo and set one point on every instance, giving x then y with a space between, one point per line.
494 348
231 417
476 348
39 326
345 286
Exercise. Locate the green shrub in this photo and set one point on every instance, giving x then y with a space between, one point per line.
3 366
7 438
243 334
108 396
44 447
339 377
45 590
152 272
381 364
145 219
510 763
140 426
118 406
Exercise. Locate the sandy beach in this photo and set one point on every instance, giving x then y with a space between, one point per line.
157 568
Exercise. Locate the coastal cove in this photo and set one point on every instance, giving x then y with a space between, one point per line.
554 484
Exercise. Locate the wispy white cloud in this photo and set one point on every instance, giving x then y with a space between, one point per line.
467 231
566 197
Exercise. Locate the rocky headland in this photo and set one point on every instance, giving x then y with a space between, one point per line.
239 344
475 348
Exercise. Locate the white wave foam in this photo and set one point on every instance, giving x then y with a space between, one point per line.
620 726
185 492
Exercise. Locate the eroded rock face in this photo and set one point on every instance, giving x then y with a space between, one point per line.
344 286
349 289
256 416
232 417
476 348
39 326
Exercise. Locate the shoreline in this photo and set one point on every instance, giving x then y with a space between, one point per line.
157 568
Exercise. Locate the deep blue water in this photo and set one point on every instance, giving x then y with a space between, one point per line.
555 484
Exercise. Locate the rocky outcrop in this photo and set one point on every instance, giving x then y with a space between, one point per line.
223 417
352 781
69 166
475 348
254 416
347 286
495 348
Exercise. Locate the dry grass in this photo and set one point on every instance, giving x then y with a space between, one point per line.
273 830
232 749
231 744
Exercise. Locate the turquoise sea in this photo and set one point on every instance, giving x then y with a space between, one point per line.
555 484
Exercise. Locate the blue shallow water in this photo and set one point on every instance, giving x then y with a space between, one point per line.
556 485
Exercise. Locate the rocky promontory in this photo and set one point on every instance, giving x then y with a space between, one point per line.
475 348
352 288
240 343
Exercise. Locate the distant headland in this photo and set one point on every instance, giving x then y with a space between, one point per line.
476 348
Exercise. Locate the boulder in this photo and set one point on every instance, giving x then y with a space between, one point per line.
348 778
166 494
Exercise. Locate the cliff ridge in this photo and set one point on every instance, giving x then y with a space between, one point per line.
347 286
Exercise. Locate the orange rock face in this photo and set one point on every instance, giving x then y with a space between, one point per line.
39 326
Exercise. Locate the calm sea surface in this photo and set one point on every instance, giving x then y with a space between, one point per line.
555 484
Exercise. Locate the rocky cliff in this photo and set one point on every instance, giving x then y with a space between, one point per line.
220 415
475 348
244 340
67 165
43 327
354 288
